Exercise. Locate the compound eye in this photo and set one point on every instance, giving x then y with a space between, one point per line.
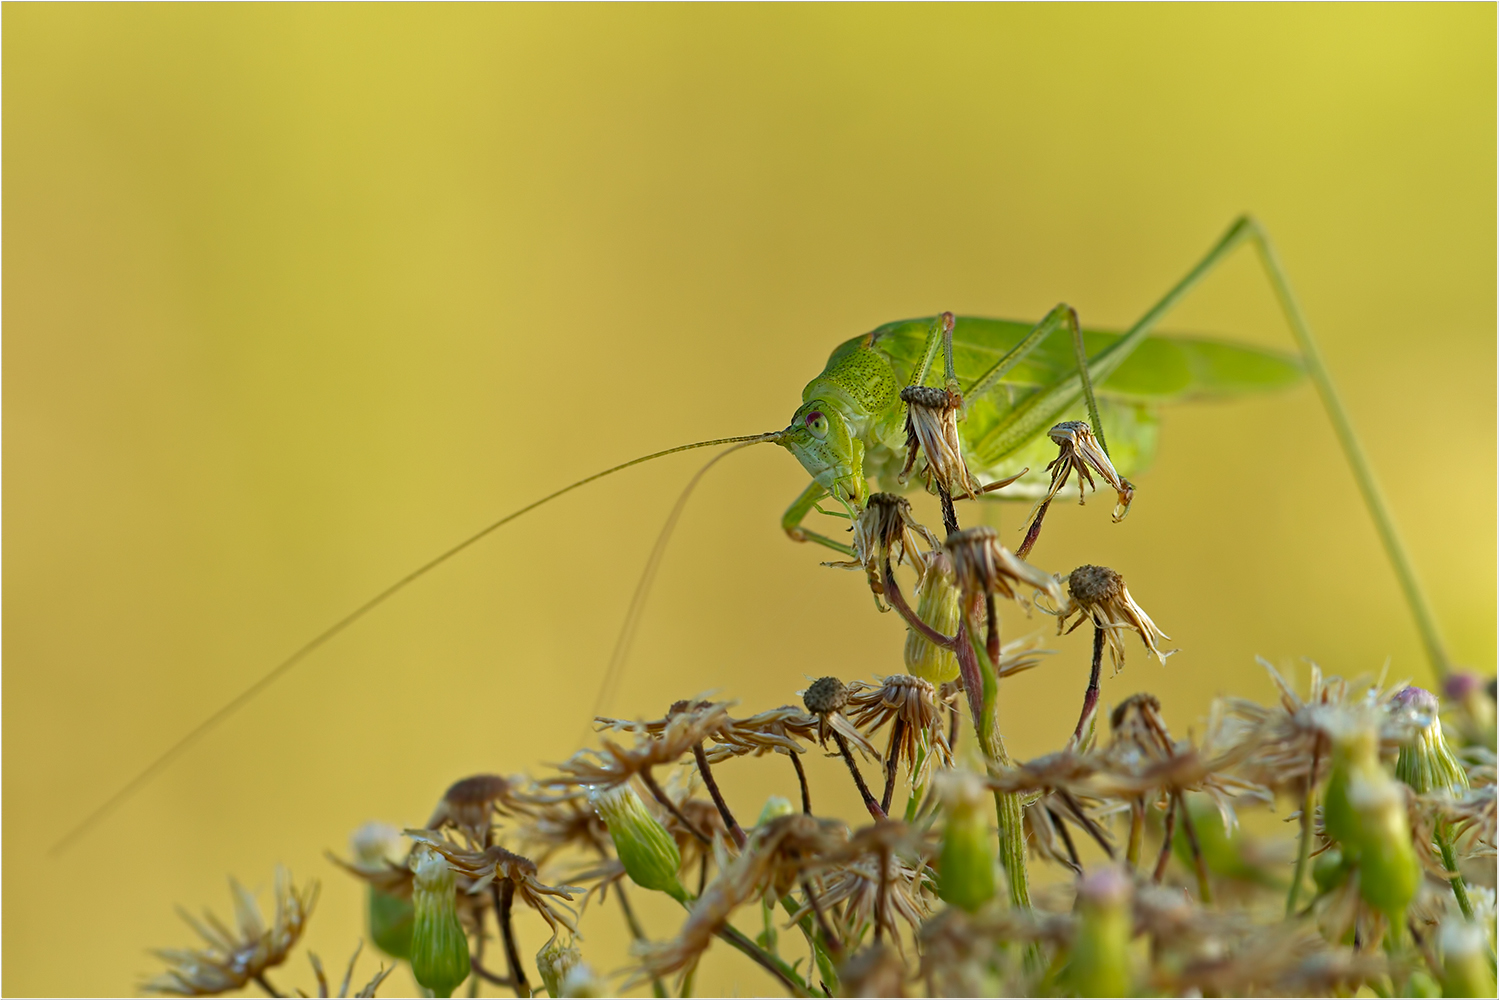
817 424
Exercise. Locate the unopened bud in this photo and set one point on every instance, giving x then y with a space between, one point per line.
775 808
375 847
1329 870
648 852
1364 811
965 878
562 970
1425 763
439 948
1465 964
1099 965
937 604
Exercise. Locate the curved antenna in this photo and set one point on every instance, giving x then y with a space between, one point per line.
636 611
249 694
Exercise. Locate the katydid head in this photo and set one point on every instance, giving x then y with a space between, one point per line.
822 440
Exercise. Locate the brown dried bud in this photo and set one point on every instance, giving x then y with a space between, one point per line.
983 566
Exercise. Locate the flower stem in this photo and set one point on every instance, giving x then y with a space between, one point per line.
504 903
801 778
1449 862
853 769
1304 848
718 800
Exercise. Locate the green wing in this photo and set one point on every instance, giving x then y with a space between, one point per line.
1162 369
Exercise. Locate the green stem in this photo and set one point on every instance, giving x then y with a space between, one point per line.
1007 805
1384 522
1449 862
1304 848
825 965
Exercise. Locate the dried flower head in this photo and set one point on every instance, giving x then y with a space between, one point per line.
664 741
932 433
469 806
886 532
777 730
917 735
235 958
1079 450
1098 594
826 698
980 565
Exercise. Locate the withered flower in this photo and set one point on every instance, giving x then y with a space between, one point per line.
778 730
826 699
469 806
877 971
495 864
664 741
886 531
981 565
1078 449
932 431
235 958
1098 594
917 734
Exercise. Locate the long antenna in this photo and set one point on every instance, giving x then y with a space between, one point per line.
249 694
631 626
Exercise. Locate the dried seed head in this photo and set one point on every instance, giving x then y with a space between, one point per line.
375 844
981 565
469 805
1078 449
932 431
1094 584
887 530
827 694
1098 594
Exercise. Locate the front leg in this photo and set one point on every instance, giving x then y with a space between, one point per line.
791 521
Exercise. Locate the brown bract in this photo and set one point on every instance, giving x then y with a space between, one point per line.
777 730
234 958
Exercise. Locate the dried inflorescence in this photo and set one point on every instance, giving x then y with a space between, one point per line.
1097 594
932 434
886 533
232 959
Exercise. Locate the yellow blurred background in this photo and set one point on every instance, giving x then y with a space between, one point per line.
297 296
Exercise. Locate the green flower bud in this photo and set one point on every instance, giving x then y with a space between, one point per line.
937 605
1425 763
1099 965
375 846
1329 870
645 848
965 877
563 972
775 808
1465 963
1364 810
439 948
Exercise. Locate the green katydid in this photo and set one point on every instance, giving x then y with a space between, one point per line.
1020 381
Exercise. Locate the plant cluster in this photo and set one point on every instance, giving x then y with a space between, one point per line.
1385 881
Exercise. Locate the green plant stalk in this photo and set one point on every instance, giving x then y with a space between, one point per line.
1007 806
825 966
1449 862
1384 522
773 964
1304 845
